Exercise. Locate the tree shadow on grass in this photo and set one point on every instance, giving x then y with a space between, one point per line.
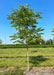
36 57
36 61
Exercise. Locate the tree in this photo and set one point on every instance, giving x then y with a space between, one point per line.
35 41
42 41
24 20
31 41
49 42
0 41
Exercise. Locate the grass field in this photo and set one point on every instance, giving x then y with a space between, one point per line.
21 52
12 57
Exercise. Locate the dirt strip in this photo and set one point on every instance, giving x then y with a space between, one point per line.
41 71
38 57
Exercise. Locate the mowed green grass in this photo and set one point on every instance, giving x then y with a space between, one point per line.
21 52
17 61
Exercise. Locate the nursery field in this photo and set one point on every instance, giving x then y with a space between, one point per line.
16 57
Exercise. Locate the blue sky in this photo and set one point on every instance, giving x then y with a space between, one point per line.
46 6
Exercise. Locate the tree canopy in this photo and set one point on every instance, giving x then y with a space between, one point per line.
25 22
36 41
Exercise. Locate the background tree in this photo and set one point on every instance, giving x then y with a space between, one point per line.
24 20
0 41
42 41
49 42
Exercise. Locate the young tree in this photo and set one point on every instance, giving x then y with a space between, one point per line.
24 20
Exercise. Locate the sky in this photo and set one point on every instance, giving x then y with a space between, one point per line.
45 6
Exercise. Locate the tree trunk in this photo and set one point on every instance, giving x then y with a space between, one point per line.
27 59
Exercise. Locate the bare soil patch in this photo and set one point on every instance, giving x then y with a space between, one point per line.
41 71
